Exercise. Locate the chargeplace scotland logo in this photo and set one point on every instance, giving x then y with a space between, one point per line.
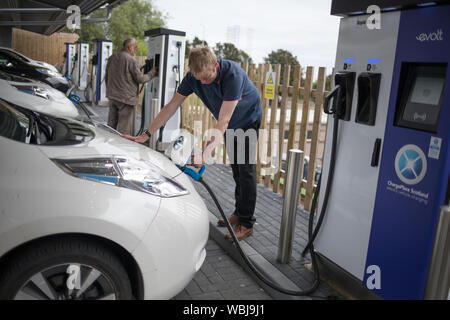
410 164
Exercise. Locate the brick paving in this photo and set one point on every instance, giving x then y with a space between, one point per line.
221 278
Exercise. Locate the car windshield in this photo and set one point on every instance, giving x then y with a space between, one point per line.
33 127
16 56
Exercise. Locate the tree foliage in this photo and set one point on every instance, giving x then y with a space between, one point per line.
129 20
283 57
195 43
230 52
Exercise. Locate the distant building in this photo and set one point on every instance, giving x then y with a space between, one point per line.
249 41
241 41
234 34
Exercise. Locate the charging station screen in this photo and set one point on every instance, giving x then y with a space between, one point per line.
427 90
420 96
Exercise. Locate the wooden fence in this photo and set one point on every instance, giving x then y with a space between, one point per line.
300 109
40 47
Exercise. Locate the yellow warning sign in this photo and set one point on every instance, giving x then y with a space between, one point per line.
270 79
269 87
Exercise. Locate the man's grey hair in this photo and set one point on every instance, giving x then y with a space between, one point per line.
128 41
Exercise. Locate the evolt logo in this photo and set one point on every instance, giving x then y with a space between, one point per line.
432 36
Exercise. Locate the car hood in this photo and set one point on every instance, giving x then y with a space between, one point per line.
41 64
48 66
108 143
57 104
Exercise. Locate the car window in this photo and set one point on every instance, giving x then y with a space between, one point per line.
17 56
6 61
33 127
13 124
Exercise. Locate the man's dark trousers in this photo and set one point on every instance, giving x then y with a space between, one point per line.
244 174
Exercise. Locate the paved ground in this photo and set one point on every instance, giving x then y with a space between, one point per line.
221 278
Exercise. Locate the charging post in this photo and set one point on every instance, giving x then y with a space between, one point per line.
383 225
80 73
69 60
102 51
290 204
166 50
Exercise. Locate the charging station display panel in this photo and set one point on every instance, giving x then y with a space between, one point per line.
420 99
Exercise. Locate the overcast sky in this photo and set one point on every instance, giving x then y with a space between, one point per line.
303 27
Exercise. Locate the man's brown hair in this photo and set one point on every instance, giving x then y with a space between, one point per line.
200 59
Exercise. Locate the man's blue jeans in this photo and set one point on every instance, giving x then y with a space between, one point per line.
244 175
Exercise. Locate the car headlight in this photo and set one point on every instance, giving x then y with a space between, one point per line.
47 72
123 172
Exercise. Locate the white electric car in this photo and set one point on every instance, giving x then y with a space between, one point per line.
36 95
20 65
44 98
28 60
86 214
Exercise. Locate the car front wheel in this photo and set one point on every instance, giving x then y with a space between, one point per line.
70 268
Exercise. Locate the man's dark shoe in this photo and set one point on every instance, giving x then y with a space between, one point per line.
233 221
241 232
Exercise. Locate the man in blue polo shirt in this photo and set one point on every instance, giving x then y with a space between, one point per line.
234 101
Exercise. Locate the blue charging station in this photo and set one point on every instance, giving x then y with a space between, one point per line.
415 163
102 51
69 61
393 159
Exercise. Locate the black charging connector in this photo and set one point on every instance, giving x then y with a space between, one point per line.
346 81
368 90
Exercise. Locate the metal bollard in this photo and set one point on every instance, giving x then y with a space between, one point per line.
438 282
290 203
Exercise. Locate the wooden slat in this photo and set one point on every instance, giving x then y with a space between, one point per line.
305 109
198 126
315 135
273 118
205 124
191 112
213 125
185 105
261 73
282 122
265 102
245 67
225 159
264 134
252 73
294 110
